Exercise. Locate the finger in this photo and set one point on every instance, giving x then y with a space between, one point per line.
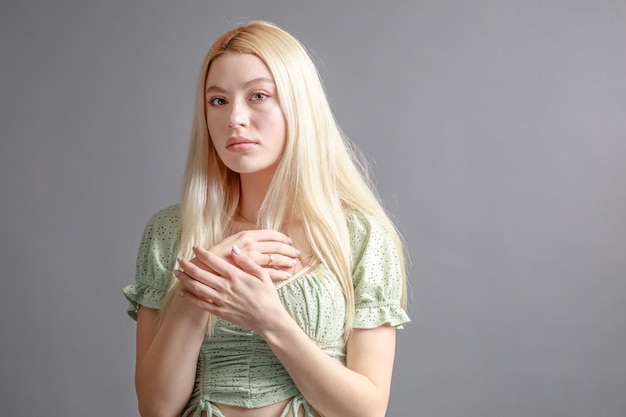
272 259
202 258
201 303
246 264
278 275
222 268
257 249
279 248
194 288
201 275
277 261
268 235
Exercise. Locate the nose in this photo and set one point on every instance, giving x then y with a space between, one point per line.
239 115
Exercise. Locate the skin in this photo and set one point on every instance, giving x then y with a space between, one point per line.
234 281
242 106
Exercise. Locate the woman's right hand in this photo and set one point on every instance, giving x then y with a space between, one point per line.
269 249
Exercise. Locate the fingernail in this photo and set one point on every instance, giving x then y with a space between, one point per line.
194 247
298 253
291 241
236 250
176 273
179 259
181 293
288 275
295 262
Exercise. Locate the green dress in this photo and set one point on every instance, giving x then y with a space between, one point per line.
235 365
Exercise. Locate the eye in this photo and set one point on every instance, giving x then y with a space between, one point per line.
217 101
259 96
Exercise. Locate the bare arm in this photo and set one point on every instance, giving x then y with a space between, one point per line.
247 297
361 388
167 354
167 357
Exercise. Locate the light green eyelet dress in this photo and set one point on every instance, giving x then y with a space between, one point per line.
235 365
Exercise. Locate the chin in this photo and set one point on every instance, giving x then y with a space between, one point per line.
248 169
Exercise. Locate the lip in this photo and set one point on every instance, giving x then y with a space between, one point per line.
239 144
238 141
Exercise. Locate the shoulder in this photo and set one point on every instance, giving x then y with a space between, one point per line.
366 229
168 216
165 222
359 224
162 230
156 258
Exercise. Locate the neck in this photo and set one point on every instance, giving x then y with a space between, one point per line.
253 191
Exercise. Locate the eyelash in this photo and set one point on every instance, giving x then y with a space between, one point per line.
260 93
253 97
212 101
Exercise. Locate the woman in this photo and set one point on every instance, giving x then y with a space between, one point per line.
276 286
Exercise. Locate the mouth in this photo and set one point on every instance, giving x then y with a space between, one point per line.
240 144
238 141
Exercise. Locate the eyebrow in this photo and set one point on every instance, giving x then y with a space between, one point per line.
245 85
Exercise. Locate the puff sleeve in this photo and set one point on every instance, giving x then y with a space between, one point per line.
156 258
377 275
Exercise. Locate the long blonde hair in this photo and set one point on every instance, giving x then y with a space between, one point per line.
319 177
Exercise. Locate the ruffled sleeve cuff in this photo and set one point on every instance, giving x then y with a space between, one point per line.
141 294
376 314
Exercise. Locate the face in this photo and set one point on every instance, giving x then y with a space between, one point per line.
245 121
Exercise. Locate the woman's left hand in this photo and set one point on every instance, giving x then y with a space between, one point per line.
243 293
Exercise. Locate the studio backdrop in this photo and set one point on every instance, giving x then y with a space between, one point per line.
496 135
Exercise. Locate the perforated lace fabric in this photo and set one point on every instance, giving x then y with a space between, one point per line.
236 366
293 406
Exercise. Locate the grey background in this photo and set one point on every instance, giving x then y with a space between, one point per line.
497 134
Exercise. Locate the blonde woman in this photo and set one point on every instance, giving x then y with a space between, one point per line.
276 286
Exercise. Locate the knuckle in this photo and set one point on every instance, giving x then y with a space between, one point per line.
245 240
195 286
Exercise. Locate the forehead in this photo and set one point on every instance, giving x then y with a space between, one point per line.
232 69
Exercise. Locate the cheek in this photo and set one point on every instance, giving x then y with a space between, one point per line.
276 122
213 123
